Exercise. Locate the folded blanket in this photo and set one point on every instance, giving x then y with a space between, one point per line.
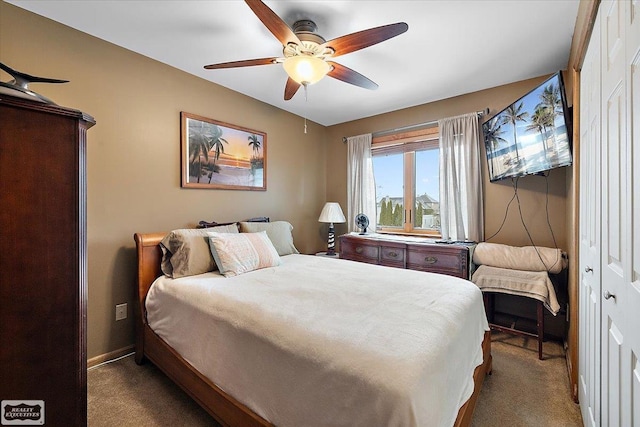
531 284
529 258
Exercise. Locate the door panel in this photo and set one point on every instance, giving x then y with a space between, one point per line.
589 235
614 227
632 296
635 391
589 361
613 345
620 290
613 127
612 33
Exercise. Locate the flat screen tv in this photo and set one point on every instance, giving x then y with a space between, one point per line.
532 135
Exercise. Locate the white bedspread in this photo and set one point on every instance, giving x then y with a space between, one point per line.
326 342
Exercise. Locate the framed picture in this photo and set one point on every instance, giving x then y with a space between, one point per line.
217 155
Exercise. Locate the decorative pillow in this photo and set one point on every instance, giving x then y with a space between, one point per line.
239 253
185 252
279 233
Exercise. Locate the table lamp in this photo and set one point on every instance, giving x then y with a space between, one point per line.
331 213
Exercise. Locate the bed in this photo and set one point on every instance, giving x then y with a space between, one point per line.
224 390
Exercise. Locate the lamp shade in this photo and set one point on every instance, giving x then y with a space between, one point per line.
331 212
306 69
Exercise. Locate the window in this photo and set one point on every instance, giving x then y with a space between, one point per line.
407 173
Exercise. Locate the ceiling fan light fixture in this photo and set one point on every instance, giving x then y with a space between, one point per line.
306 69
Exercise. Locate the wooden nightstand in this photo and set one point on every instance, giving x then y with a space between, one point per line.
324 254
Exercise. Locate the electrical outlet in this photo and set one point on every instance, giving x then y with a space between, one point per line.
121 311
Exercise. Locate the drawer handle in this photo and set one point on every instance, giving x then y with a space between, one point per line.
431 260
393 254
359 249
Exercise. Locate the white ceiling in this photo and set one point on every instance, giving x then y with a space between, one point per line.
451 48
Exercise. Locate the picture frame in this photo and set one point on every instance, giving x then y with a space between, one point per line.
221 156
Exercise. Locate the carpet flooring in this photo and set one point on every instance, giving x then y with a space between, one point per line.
522 391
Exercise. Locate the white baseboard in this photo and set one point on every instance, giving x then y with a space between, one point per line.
95 361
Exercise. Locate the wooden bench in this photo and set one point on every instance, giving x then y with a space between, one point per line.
489 309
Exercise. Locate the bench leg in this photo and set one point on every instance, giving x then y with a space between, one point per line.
540 328
488 305
489 302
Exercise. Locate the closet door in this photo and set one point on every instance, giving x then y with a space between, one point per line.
590 180
620 267
631 294
632 298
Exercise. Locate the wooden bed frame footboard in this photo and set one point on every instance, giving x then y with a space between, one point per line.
225 408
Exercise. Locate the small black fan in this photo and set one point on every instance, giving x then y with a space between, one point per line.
362 222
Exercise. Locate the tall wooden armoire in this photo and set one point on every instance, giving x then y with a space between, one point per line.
43 259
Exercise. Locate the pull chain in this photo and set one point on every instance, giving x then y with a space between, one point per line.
305 106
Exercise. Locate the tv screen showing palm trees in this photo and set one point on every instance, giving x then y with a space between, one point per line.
531 135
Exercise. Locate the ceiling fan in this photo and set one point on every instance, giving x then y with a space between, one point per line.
307 56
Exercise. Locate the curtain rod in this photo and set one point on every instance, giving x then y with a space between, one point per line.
417 126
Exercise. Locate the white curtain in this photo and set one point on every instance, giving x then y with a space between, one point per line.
361 187
461 207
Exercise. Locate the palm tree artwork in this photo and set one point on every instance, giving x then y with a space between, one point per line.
255 144
199 146
204 137
551 104
514 114
538 123
219 151
493 133
217 144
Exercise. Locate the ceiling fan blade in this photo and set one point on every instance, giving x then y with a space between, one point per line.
290 88
277 26
245 63
347 75
361 39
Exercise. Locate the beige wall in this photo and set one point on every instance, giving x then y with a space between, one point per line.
134 154
133 157
531 189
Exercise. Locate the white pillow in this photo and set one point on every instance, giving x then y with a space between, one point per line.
240 253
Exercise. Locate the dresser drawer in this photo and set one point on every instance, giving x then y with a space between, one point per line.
451 262
359 250
393 256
